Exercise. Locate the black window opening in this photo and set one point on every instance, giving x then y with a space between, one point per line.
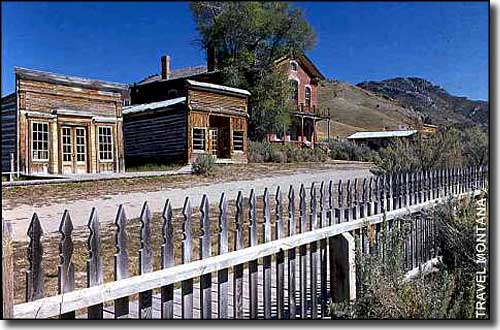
199 139
238 140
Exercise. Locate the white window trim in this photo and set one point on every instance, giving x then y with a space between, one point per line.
198 151
112 145
296 64
48 144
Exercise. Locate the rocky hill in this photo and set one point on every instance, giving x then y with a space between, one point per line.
355 109
434 104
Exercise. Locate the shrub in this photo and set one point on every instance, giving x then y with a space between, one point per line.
204 165
259 152
449 293
348 150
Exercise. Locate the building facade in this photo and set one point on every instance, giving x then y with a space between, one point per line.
58 124
163 126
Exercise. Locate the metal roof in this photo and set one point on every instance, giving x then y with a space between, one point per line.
381 134
218 87
152 106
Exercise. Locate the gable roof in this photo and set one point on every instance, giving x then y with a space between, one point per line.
306 64
177 74
381 134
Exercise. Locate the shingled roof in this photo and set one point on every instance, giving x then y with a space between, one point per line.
176 74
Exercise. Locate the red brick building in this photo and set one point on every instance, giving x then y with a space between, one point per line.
304 77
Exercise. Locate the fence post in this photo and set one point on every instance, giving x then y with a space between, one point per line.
342 269
339 211
314 254
302 254
66 268
7 271
121 260
145 262
266 261
238 269
167 260
94 261
323 251
187 285
205 252
280 257
252 265
223 275
34 275
292 300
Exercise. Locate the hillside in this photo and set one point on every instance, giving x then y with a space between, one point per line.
354 109
432 102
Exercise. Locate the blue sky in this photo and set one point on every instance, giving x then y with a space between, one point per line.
445 42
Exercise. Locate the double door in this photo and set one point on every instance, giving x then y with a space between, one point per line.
74 149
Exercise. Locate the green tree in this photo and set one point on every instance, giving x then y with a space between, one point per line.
245 39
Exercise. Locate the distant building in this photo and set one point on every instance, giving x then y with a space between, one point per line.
61 124
380 139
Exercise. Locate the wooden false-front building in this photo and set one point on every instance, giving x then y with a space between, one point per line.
199 118
58 124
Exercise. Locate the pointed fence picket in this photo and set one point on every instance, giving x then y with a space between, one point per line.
276 287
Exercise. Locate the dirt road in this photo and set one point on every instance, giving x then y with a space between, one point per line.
19 214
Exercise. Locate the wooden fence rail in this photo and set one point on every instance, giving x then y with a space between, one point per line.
283 264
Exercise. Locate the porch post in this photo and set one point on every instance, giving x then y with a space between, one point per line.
328 123
342 268
302 130
315 136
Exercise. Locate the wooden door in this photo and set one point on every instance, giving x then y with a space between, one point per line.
73 150
214 141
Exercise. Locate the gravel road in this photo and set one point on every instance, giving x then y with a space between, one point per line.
107 205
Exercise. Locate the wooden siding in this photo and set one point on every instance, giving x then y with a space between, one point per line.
47 97
63 104
158 136
217 102
9 125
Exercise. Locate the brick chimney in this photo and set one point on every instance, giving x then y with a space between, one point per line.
165 67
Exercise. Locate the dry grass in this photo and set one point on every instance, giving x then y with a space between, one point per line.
47 194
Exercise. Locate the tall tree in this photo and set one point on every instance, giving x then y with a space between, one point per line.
243 40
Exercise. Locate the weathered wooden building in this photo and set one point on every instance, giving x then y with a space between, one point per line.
60 124
198 118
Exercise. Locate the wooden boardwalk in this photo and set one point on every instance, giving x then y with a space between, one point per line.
134 307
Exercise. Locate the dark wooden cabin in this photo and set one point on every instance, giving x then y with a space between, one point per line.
62 125
199 118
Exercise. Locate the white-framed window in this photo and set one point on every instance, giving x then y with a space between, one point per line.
67 146
40 141
199 140
238 140
307 96
81 144
293 66
105 143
